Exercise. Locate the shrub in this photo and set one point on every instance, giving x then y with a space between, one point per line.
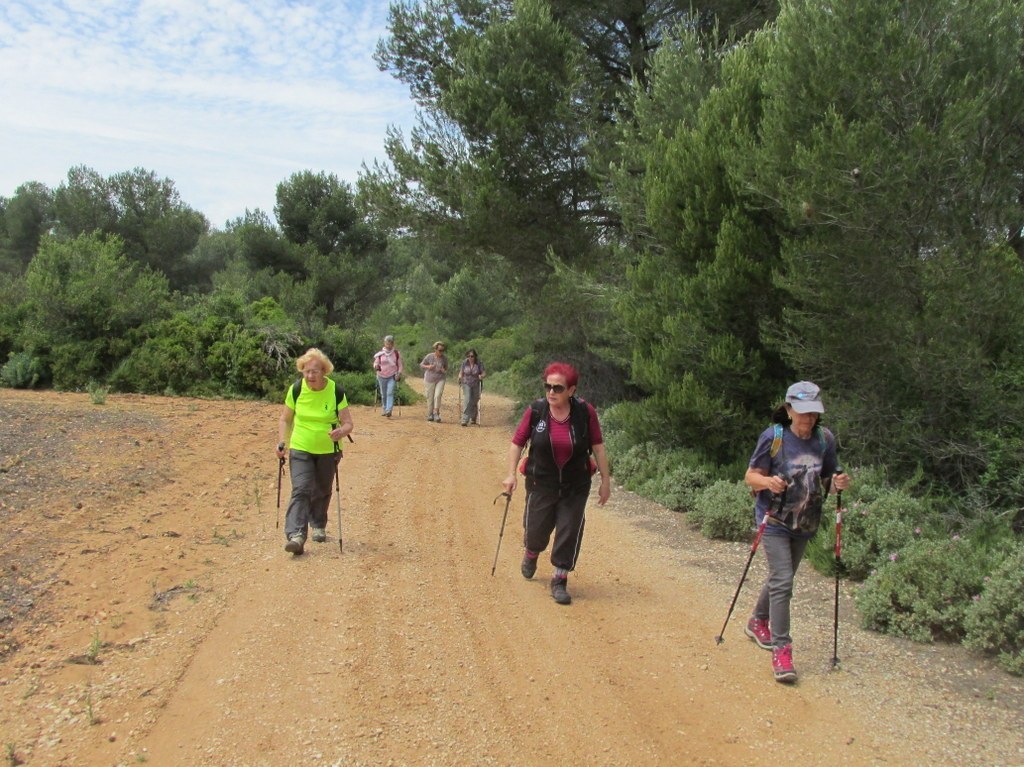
724 510
360 388
22 371
924 590
995 618
876 524
97 393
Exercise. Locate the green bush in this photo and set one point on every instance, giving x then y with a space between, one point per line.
995 618
97 393
674 484
876 524
360 388
724 510
923 592
22 371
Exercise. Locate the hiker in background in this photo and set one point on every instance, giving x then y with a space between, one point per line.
791 470
562 431
310 427
388 365
435 368
471 373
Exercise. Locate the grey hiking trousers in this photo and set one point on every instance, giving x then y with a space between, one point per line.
783 554
312 480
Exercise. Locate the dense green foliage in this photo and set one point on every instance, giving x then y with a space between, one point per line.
695 203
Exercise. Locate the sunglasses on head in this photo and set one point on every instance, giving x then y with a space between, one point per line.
556 388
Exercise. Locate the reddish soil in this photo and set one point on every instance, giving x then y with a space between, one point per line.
149 614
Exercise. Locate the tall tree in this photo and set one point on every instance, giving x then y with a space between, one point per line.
342 252
26 217
896 160
833 204
87 305
146 212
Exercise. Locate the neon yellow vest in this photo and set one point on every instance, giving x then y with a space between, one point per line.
314 418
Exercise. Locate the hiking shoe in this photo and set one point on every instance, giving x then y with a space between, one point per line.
758 630
529 564
437 418
430 417
559 592
319 534
463 423
782 664
295 544
387 414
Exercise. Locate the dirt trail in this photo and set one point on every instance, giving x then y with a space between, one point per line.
168 626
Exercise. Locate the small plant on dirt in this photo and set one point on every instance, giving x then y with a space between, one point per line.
225 539
90 711
32 689
97 393
141 758
93 653
257 496
91 657
13 760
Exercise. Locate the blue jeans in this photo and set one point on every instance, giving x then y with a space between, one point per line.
387 392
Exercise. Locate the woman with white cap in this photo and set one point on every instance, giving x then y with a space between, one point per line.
790 471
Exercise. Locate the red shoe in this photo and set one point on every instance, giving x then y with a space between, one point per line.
758 631
782 664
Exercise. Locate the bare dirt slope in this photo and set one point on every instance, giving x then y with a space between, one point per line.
148 614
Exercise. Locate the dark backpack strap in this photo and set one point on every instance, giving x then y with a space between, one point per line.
296 391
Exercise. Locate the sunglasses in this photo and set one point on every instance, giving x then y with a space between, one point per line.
556 388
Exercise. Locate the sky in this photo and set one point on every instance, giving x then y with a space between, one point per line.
225 98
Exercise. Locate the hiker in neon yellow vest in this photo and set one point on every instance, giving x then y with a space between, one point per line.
311 427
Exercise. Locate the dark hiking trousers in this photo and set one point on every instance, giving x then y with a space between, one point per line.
312 482
565 516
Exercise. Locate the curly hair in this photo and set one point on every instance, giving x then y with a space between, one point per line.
318 356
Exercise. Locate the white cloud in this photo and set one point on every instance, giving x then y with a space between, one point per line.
225 98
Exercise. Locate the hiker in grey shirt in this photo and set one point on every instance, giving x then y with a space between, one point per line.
435 368
471 373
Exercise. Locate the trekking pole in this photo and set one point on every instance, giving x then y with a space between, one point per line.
461 414
753 550
337 497
337 487
376 395
479 405
501 532
839 562
280 472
